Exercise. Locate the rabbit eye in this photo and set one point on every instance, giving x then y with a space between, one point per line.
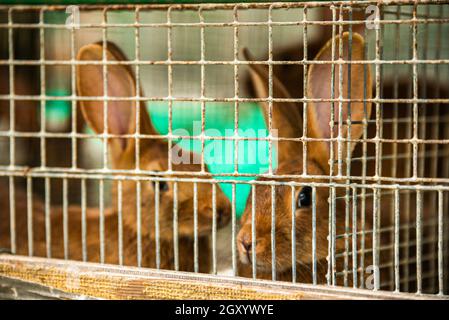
163 186
304 197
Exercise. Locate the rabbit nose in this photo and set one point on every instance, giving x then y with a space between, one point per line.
246 244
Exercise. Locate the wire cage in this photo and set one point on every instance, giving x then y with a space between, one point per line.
293 147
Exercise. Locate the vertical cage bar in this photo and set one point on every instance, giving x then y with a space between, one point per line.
83 220
214 228
435 154
333 235
30 216
156 225
414 30
332 96
105 89
394 234
47 217
440 244
378 144
331 255
43 87
314 258
378 153
378 110
74 115
397 276
339 139
273 232
340 94
236 91
101 222
170 97
423 118
293 232
348 154
234 232
175 226
270 91
375 243
414 27
419 206
120 221
445 9
12 215
329 240
354 237
12 117
304 93
407 173
253 231
65 217
203 86
195 227
139 222
396 54
364 165
137 102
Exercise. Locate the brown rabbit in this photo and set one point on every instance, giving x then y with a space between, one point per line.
54 246
38 223
153 157
396 123
287 119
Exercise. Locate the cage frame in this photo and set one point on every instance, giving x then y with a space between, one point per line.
29 268
33 277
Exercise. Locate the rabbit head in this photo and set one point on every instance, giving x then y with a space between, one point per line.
299 200
152 154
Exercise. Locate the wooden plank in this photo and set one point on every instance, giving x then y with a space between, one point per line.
13 289
74 280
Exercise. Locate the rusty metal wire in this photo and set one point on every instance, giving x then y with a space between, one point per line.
417 250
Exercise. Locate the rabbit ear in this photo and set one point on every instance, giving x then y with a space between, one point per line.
120 83
286 116
319 80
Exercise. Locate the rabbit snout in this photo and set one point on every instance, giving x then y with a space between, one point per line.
245 248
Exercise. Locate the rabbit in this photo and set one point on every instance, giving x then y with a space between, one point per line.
39 246
287 119
291 78
153 157
75 242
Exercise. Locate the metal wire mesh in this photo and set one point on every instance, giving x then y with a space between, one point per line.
364 205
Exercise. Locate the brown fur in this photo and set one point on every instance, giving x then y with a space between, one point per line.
93 236
291 163
292 77
153 157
